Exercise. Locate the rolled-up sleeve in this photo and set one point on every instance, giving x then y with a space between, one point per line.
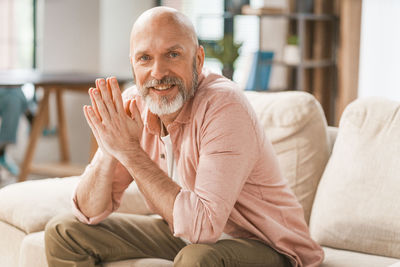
82 217
227 154
121 181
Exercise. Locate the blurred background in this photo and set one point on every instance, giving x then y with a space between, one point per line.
338 50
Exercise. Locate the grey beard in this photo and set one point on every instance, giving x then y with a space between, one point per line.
166 105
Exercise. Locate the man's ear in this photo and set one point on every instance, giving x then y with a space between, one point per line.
200 58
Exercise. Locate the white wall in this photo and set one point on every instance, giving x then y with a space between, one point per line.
380 49
117 18
68 35
89 36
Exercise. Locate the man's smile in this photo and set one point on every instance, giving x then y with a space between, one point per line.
162 89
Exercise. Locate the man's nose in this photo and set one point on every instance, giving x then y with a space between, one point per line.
159 69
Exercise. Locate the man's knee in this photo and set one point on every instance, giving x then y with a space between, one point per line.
63 235
58 228
198 255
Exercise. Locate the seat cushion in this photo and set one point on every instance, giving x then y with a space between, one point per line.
32 253
295 124
10 243
346 258
356 206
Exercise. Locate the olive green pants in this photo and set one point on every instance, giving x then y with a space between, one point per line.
122 236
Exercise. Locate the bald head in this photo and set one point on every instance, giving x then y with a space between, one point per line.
166 60
160 19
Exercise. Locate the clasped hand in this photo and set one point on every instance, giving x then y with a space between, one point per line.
116 126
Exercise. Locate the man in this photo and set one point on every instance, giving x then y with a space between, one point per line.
191 142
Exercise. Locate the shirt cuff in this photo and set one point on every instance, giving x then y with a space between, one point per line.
82 217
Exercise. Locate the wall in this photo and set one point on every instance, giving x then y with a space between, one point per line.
117 18
380 49
68 35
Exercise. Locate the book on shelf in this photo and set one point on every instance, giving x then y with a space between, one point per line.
260 71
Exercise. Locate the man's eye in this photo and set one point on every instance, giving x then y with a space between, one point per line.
144 57
173 54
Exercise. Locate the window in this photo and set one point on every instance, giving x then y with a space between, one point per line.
17 34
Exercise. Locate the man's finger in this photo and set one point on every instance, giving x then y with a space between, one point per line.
106 96
91 123
116 94
96 110
101 107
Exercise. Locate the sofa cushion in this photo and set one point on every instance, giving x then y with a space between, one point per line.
356 205
346 258
295 124
10 243
32 253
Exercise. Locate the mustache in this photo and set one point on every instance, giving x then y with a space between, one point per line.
164 80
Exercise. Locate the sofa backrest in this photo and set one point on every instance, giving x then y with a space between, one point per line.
295 124
357 205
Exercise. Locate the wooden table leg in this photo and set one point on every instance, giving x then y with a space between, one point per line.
62 128
35 134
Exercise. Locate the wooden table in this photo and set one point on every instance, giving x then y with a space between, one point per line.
51 83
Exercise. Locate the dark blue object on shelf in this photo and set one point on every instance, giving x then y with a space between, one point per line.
260 71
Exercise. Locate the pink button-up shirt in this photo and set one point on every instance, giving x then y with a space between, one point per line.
230 176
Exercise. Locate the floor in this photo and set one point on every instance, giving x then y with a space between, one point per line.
47 147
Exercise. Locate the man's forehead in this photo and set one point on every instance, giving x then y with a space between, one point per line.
166 23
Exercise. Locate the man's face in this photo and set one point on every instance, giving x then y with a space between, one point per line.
164 63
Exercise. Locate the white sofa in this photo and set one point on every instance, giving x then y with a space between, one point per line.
349 194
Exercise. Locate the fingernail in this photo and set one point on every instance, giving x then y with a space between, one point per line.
102 82
96 92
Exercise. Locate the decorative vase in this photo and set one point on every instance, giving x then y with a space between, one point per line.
291 54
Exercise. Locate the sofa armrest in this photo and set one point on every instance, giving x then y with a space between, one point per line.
29 205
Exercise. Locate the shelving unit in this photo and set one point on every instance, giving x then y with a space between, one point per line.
301 19
320 66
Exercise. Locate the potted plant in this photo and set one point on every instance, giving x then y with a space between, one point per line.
291 52
226 51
